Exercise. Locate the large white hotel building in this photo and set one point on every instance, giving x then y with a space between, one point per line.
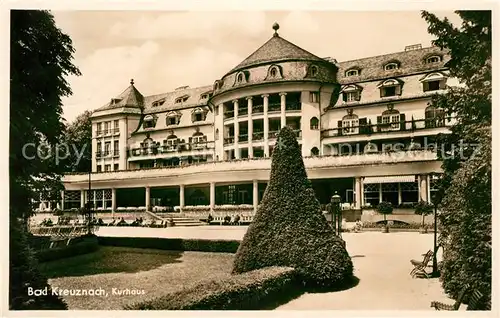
365 129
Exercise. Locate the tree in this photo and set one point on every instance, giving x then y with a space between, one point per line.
423 208
78 138
289 228
385 208
41 56
464 194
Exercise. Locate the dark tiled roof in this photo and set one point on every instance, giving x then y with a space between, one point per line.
169 98
372 68
131 97
275 50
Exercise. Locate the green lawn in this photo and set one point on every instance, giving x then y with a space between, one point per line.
148 273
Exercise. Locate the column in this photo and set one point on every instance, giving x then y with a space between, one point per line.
357 189
113 200
103 198
62 200
283 109
423 188
181 196
250 126
82 198
148 199
255 195
380 192
266 125
236 130
362 192
400 198
212 196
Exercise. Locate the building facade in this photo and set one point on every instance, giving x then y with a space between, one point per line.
365 128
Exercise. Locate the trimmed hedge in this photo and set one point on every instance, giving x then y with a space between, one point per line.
221 246
289 228
78 246
252 290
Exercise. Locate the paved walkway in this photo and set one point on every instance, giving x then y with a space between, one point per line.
381 263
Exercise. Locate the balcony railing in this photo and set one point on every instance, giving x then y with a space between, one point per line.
273 134
258 136
409 125
98 154
243 111
293 105
228 114
243 138
228 140
273 107
116 153
116 130
256 109
98 132
165 149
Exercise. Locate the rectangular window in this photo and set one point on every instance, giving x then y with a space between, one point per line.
107 148
107 167
371 194
98 150
313 97
116 148
99 129
350 126
409 192
351 96
390 193
106 127
117 126
116 167
148 124
389 91
198 117
99 168
432 86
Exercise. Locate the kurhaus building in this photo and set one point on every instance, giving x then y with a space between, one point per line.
365 128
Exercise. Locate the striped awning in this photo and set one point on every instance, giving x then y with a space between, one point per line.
389 179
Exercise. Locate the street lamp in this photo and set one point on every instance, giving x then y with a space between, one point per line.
435 202
335 210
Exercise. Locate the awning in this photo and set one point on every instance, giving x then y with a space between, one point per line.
389 179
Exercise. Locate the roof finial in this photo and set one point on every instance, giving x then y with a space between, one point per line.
276 27
132 82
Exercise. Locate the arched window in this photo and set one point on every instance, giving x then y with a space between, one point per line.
350 124
314 71
315 151
434 117
390 119
433 59
314 123
273 72
198 140
353 72
173 118
391 66
170 144
240 78
198 114
149 121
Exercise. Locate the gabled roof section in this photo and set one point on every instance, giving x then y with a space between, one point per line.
131 98
276 49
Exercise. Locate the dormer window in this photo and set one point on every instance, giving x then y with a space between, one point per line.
149 122
314 71
351 93
173 118
353 72
198 114
390 87
433 59
273 72
158 102
206 95
433 82
240 78
391 66
182 99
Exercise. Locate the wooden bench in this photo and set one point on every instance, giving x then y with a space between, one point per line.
419 266
474 303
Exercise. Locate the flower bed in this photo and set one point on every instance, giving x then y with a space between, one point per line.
251 290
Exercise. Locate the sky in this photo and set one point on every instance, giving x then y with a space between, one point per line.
163 50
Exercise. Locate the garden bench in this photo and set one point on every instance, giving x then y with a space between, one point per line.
474 301
419 266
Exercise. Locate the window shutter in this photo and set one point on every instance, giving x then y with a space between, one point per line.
339 125
358 96
426 86
363 121
402 122
398 90
190 139
344 97
382 91
362 125
442 84
379 119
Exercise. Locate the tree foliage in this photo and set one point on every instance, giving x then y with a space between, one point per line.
289 228
78 138
465 190
41 58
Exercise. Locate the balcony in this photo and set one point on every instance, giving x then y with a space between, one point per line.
258 136
274 107
243 111
116 131
116 153
273 134
98 132
98 154
293 105
257 109
228 114
243 138
229 140
403 126
184 149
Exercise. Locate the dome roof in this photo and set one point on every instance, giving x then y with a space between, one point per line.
275 50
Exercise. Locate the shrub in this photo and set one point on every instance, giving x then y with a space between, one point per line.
423 208
251 290
289 228
24 273
78 246
385 208
221 246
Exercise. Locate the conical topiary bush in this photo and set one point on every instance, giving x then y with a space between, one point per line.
289 228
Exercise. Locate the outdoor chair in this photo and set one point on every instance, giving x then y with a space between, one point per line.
474 303
442 306
419 267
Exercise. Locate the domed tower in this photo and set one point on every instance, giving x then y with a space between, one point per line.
279 84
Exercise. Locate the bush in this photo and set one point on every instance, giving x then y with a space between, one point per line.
424 208
289 228
78 246
251 290
24 273
221 246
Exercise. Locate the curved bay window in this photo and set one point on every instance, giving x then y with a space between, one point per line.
434 117
349 124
